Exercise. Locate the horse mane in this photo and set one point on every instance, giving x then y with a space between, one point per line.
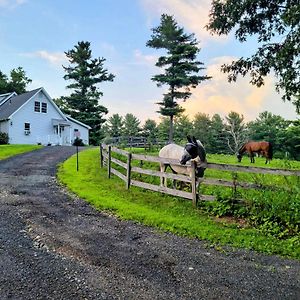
202 152
242 149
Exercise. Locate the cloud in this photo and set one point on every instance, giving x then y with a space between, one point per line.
192 14
142 59
11 4
54 58
219 96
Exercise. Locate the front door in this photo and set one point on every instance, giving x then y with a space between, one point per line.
64 134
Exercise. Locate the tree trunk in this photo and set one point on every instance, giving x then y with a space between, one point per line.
171 132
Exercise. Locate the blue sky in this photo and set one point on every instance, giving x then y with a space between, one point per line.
35 33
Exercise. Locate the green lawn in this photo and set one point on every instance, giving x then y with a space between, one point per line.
164 212
11 150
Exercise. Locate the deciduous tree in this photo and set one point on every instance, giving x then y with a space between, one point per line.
235 129
276 25
17 82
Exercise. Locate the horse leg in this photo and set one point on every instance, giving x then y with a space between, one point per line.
252 157
268 160
163 168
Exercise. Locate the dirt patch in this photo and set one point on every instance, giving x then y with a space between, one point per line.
54 246
228 220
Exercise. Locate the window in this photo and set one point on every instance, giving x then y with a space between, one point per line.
37 107
27 128
44 107
76 133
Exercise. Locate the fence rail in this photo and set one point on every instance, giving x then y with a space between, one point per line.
106 159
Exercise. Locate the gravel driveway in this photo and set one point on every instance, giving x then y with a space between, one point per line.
54 246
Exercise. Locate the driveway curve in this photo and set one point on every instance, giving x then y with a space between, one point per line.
55 246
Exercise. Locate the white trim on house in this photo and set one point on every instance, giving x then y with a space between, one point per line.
78 122
48 97
6 97
46 127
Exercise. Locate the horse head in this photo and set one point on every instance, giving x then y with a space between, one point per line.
239 157
192 150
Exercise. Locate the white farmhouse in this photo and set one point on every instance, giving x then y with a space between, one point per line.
34 118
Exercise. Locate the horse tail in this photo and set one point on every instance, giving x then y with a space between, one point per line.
270 152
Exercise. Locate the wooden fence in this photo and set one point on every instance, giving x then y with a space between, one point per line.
135 142
107 159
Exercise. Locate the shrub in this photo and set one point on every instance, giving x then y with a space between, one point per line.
78 142
3 138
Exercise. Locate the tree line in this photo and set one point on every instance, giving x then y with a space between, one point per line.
219 135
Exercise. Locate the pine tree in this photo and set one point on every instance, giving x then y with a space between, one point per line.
131 125
115 126
179 64
85 73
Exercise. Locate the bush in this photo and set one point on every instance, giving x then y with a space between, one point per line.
3 138
78 142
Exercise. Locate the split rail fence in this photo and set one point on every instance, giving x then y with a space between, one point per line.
107 159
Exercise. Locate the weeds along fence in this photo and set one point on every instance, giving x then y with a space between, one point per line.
132 163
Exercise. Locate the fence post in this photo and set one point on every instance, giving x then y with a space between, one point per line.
101 156
194 184
109 162
128 170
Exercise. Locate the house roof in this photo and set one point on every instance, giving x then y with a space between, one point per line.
12 104
5 97
78 122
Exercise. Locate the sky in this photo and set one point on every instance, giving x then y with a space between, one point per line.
34 34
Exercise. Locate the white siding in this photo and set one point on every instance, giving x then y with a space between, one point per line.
84 132
41 128
4 126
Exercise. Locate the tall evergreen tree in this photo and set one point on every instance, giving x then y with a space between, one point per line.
179 64
85 74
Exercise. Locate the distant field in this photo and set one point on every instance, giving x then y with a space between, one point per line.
11 150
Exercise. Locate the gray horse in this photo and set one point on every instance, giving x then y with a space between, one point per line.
193 150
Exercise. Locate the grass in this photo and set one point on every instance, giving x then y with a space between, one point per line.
164 212
11 150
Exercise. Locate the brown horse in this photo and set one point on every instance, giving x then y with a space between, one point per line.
263 148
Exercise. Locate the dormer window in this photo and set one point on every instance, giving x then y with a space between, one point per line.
40 107
37 106
44 107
